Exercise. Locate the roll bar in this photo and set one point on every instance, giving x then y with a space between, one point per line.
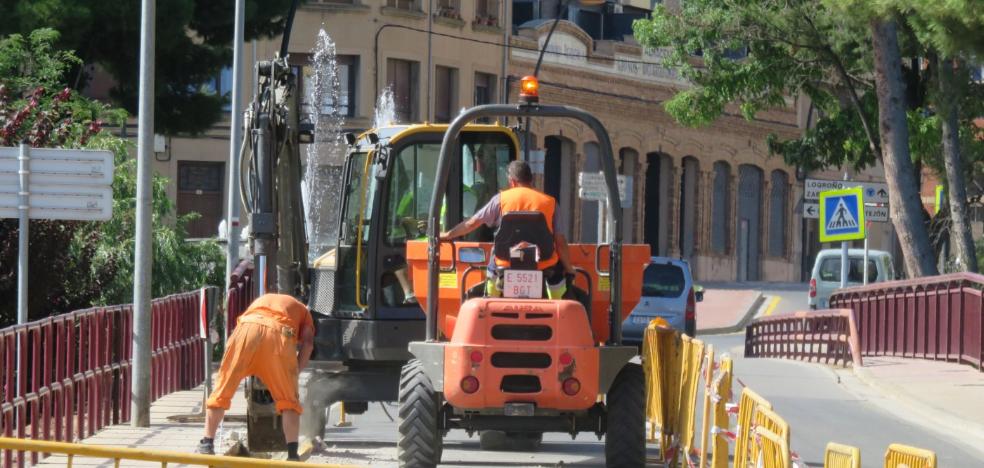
448 151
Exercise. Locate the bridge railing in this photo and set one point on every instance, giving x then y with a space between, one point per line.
828 336
65 377
240 295
938 317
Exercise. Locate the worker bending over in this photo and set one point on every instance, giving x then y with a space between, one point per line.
273 341
521 196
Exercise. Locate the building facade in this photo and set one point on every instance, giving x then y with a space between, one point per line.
713 195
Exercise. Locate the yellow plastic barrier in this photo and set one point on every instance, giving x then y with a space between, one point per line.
705 419
118 454
693 360
765 417
841 456
662 352
773 450
722 420
747 406
899 456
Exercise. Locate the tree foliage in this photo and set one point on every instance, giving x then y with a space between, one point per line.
193 45
73 265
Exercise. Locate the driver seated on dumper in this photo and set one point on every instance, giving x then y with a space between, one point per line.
520 197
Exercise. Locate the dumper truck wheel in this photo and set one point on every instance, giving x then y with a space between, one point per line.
420 444
625 442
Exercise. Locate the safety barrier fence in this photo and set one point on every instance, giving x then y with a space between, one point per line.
675 364
937 317
63 378
240 295
828 336
121 455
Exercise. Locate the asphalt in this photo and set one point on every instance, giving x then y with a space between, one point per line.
823 404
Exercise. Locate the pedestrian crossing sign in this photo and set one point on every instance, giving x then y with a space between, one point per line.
842 215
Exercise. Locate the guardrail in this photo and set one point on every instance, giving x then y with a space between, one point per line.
63 378
828 336
938 317
240 295
71 451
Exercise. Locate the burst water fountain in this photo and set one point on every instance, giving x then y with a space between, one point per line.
326 154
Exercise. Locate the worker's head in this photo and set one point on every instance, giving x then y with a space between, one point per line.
520 174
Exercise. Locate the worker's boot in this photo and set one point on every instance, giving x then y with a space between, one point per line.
206 447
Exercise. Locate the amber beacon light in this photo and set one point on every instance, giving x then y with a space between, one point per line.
529 89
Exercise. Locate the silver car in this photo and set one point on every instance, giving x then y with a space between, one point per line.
668 292
826 276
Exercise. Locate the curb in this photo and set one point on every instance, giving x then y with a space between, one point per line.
929 414
749 315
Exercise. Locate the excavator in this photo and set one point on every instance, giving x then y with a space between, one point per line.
360 291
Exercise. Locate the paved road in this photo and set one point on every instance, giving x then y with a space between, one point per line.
823 405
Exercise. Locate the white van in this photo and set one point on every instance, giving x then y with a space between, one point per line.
827 271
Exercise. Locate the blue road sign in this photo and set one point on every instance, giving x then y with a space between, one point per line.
842 215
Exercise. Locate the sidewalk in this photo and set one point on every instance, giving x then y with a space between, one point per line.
163 433
943 393
729 306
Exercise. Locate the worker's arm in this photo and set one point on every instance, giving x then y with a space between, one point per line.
563 253
462 229
306 347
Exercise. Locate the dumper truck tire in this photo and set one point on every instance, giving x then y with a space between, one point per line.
625 441
420 444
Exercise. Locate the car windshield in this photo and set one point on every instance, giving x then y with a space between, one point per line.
830 270
663 280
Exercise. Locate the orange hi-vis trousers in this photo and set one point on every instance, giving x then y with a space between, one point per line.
264 348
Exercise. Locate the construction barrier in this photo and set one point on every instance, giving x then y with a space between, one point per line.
65 377
903 456
241 293
934 317
118 455
721 398
828 336
841 456
773 450
747 407
673 364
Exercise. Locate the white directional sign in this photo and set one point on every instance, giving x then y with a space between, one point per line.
874 192
64 184
591 186
50 166
874 213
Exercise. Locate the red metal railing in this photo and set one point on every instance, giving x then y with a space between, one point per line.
75 369
240 295
938 317
823 336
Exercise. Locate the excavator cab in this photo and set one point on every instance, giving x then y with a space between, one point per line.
362 296
524 365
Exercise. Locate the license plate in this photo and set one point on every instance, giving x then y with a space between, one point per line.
518 409
526 284
642 320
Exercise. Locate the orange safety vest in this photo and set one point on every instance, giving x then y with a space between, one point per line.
527 199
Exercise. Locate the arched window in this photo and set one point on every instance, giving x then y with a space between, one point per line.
688 206
778 207
630 161
590 223
721 208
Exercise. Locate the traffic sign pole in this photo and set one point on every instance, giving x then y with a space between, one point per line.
844 268
23 225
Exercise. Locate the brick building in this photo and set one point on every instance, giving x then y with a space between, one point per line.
712 195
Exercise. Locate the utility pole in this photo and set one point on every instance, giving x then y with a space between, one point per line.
23 236
235 143
143 258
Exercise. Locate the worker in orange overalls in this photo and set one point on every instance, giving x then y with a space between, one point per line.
273 341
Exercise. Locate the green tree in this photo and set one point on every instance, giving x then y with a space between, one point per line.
796 48
79 264
193 45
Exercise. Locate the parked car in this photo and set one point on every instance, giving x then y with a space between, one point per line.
826 276
668 292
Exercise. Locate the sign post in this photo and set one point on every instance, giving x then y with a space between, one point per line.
842 219
938 199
